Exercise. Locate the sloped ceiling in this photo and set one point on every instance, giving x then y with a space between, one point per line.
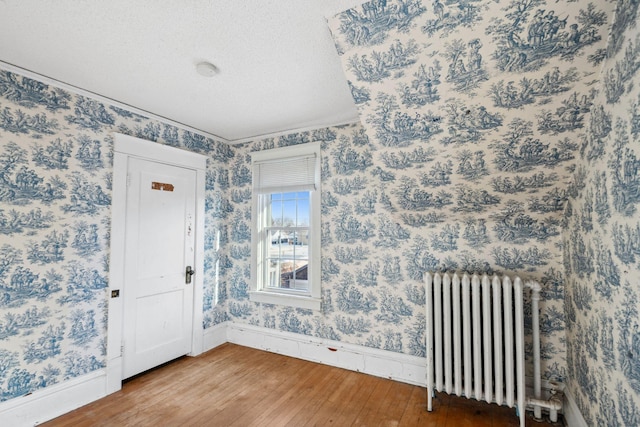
278 69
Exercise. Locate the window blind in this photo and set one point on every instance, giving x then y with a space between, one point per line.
285 175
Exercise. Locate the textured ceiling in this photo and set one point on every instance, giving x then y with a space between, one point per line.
278 69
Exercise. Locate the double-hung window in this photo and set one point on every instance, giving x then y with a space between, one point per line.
286 226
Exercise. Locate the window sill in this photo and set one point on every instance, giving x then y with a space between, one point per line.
297 301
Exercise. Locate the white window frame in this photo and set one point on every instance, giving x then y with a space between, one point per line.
259 291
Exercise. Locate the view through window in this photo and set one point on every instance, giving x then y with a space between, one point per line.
288 241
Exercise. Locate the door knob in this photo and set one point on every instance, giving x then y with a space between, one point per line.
188 273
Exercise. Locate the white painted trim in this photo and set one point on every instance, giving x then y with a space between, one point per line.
372 361
51 402
354 120
572 415
281 298
132 146
82 92
197 342
125 147
380 363
258 293
215 336
44 405
116 274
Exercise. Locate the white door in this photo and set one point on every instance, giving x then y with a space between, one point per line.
159 248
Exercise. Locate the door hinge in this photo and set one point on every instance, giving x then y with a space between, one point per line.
128 180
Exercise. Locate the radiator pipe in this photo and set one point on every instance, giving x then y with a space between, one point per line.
553 405
535 323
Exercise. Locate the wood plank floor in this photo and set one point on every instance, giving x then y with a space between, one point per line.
239 386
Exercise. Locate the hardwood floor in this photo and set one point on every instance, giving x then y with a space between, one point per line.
239 386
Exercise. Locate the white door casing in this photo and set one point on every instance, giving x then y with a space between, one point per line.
134 296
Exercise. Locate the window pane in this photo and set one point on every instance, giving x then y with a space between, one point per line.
289 212
303 212
288 248
273 279
290 209
276 212
293 273
288 257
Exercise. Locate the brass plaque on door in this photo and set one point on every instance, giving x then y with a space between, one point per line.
161 186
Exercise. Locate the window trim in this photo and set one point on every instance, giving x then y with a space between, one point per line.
259 291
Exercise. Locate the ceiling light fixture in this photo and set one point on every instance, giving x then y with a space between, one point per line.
206 69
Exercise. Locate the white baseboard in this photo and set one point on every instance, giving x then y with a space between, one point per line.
51 402
215 336
56 400
380 363
572 415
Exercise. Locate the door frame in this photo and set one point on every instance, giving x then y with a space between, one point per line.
125 147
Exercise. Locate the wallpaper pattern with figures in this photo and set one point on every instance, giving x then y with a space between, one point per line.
602 241
472 115
496 136
56 151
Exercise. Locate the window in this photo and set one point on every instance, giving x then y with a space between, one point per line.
286 226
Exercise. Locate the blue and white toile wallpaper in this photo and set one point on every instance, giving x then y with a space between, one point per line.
475 116
602 240
496 135
471 112
56 151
